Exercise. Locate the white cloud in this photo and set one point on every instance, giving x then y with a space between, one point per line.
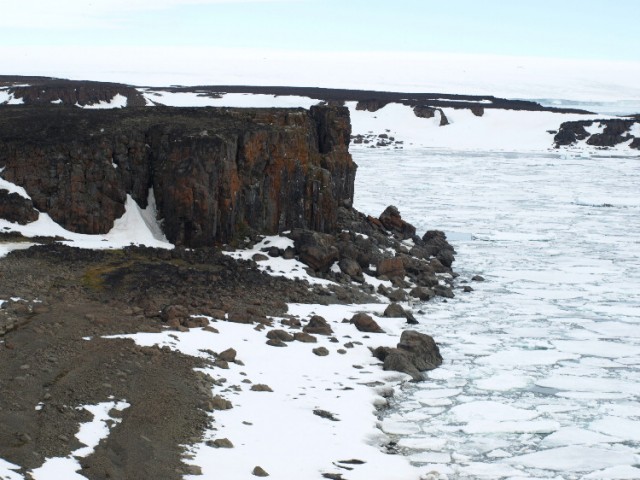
37 14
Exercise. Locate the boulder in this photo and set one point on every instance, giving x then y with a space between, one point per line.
16 208
416 352
393 222
316 250
391 267
438 246
394 311
317 326
174 313
422 293
304 337
281 335
365 323
351 268
443 291
229 355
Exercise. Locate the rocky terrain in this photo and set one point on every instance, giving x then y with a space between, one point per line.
600 133
221 179
65 300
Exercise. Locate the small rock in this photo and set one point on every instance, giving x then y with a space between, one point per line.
221 363
304 337
219 403
221 443
258 471
411 320
261 387
259 257
325 414
321 351
192 470
467 289
276 342
477 278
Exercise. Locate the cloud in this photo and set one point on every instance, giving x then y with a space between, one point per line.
65 14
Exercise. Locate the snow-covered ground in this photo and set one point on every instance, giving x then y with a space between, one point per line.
541 376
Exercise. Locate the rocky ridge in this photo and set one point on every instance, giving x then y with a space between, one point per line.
600 133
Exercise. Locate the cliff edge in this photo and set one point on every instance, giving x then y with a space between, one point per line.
216 173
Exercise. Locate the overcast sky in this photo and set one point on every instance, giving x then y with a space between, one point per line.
524 48
584 29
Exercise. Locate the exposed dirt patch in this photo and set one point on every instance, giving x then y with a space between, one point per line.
54 354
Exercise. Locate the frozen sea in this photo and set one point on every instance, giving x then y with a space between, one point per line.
541 374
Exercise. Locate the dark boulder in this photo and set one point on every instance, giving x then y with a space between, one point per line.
352 268
315 249
365 323
392 221
394 311
17 209
318 326
415 353
391 267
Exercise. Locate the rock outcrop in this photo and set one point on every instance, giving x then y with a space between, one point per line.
611 132
425 111
216 174
16 209
75 92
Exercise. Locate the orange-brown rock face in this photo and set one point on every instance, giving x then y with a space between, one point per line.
215 173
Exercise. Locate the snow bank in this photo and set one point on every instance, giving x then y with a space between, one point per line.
278 430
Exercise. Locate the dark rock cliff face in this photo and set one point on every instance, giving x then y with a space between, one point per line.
215 173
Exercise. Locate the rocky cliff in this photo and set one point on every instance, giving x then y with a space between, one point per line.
215 173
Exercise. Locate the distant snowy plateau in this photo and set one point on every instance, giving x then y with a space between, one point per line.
541 372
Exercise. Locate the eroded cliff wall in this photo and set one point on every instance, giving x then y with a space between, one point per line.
215 173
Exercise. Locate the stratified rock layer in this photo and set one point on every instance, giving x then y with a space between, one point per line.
216 173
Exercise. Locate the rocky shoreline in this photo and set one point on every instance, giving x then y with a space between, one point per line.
61 303
222 180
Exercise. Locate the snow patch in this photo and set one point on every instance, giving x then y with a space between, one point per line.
90 434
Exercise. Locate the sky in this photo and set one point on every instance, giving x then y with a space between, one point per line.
582 29
315 42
